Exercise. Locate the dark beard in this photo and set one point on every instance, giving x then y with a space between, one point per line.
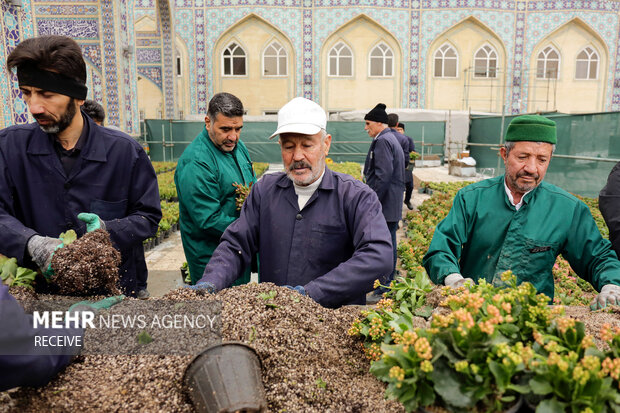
64 121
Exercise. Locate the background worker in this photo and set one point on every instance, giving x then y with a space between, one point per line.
204 177
409 169
64 171
317 231
520 223
384 172
408 146
94 110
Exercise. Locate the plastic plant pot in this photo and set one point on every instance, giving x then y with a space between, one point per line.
226 377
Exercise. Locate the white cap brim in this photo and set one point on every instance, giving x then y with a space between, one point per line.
303 128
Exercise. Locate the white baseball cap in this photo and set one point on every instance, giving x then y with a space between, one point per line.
300 115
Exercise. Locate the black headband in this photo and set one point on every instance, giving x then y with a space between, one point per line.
29 75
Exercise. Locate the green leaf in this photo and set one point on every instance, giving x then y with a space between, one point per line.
144 337
321 383
271 305
502 377
268 296
425 311
540 386
68 237
448 386
551 406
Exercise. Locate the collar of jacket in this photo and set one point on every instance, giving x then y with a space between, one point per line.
383 132
526 198
94 150
326 183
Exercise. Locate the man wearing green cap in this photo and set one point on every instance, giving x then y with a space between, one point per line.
518 222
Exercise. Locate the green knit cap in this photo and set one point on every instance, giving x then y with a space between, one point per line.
533 128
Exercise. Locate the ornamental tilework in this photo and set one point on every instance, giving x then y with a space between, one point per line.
184 27
72 27
572 5
308 83
168 60
148 56
148 42
327 21
434 23
110 64
414 61
153 73
59 10
517 68
92 54
468 4
201 58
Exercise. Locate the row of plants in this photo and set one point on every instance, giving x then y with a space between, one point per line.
260 168
161 167
169 223
486 348
167 188
351 168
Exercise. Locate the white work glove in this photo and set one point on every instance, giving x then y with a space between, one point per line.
609 295
41 249
456 280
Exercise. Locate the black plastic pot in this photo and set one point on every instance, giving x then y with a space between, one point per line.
226 377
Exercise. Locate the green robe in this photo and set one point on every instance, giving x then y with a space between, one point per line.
484 235
204 179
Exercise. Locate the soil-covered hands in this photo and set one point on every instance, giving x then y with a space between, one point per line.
93 221
300 289
456 280
202 286
609 295
41 249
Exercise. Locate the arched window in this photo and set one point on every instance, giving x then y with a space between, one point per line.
548 64
381 61
234 60
587 64
340 60
446 61
485 62
275 60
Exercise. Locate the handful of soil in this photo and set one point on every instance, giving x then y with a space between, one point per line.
89 265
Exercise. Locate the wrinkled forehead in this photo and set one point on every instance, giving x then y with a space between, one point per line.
533 148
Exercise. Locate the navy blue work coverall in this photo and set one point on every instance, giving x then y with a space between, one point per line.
335 247
21 363
112 178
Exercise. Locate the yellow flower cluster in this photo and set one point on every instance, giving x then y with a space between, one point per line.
564 323
426 366
607 332
581 375
355 327
461 366
556 360
386 304
611 367
398 373
376 329
464 318
373 352
588 341
423 348
377 284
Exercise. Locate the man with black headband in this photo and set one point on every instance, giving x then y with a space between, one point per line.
65 172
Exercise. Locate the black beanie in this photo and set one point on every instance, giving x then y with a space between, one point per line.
377 114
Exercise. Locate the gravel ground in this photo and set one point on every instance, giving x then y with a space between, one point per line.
309 363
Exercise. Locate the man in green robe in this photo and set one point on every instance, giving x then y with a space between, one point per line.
518 222
205 177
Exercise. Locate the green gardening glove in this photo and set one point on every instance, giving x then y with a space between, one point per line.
97 305
93 221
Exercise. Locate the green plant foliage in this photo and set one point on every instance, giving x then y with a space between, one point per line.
351 168
13 275
260 168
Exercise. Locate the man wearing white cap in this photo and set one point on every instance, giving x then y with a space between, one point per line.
319 232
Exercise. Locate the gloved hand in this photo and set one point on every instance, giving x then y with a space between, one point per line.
95 306
456 280
202 286
93 221
300 289
610 294
41 249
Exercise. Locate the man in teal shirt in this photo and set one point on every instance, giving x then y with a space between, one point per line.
518 222
205 177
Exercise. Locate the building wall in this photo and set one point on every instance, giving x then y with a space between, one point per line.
132 69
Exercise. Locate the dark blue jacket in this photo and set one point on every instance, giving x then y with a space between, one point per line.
335 247
112 178
21 362
385 173
408 146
